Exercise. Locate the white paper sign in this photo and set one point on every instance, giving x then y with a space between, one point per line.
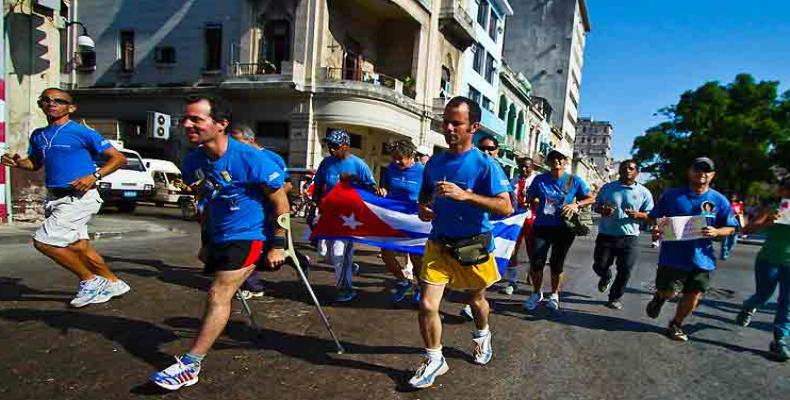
682 228
784 212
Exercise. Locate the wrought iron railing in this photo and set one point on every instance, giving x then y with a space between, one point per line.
261 68
373 78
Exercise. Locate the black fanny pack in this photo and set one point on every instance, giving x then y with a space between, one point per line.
469 251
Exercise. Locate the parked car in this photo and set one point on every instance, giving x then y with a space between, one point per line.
129 184
168 184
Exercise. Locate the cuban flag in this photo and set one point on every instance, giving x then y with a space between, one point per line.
351 213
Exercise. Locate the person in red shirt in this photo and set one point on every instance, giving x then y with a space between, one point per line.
527 173
729 242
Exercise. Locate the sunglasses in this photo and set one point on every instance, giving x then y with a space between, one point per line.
333 146
702 168
487 148
49 100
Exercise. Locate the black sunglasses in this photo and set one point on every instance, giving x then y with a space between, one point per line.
702 168
487 148
48 100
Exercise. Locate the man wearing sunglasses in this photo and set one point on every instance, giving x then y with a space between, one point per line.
341 165
622 205
686 265
66 150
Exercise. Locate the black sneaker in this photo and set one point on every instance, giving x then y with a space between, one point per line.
615 304
779 350
674 332
654 307
744 317
605 282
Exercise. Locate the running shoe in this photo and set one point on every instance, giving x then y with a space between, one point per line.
243 294
553 303
113 289
779 350
355 268
744 317
427 372
466 312
183 373
533 301
346 296
509 289
483 350
400 292
653 308
615 304
89 291
674 332
605 282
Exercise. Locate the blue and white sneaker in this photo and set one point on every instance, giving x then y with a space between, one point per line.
483 350
416 296
346 296
113 289
466 312
177 375
89 292
428 372
400 292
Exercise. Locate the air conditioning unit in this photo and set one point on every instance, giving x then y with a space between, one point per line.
158 125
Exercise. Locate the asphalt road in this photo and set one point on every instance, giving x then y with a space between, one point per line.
584 352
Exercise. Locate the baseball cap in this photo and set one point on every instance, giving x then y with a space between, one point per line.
337 137
555 153
703 163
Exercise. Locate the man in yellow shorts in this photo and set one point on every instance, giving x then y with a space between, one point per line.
460 188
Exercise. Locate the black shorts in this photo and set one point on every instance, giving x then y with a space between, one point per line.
233 255
669 279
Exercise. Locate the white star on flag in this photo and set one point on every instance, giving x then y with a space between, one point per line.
351 221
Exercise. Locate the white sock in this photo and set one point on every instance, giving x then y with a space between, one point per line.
434 354
482 332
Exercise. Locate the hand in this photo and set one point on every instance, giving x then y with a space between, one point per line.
451 191
11 160
710 232
84 184
656 233
631 213
774 216
275 258
426 214
569 209
381 192
605 210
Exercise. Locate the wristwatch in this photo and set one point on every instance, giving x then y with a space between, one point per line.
97 175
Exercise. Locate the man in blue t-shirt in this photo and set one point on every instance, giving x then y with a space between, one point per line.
685 265
235 180
622 204
402 181
341 165
66 150
460 190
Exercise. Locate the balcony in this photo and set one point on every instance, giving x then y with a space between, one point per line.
492 124
365 80
456 24
266 71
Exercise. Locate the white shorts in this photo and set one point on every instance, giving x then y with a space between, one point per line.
67 219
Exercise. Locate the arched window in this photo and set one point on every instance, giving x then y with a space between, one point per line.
520 126
446 89
511 120
276 43
502 107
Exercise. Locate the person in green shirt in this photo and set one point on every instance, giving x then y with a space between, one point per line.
772 268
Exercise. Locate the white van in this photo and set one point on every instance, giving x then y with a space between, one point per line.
129 184
166 176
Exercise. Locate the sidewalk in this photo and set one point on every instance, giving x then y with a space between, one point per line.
101 227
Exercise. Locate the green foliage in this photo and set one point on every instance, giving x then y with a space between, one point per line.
743 126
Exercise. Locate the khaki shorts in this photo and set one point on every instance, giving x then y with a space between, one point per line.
67 219
440 268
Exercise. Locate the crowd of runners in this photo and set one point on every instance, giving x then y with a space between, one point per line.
242 189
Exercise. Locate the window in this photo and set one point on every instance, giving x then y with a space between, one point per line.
482 12
277 42
490 68
127 51
446 88
213 38
474 94
165 55
487 103
480 54
492 26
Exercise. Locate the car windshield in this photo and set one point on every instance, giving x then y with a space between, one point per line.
172 176
133 162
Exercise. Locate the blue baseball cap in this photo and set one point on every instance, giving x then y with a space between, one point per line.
337 137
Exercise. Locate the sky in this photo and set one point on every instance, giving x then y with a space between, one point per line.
641 55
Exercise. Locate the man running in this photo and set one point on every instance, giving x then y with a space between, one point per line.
341 165
685 266
462 186
66 150
236 180
622 204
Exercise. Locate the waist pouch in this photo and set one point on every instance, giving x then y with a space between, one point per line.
469 251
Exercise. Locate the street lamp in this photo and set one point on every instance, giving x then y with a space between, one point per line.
85 49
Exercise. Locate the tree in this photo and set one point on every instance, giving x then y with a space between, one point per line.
743 126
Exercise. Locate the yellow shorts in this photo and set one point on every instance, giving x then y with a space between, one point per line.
440 268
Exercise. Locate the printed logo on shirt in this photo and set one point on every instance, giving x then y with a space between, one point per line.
708 209
274 175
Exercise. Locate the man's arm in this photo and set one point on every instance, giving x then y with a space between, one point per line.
499 204
31 163
115 161
279 206
765 218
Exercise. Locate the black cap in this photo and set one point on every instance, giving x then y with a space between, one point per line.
703 163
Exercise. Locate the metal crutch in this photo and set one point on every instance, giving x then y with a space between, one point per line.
245 306
290 252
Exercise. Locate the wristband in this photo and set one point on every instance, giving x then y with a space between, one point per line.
278 242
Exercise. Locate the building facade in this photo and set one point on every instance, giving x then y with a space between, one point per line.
594 141
292 69
545 41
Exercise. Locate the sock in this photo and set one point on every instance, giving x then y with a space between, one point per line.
191 357
482 332
434 354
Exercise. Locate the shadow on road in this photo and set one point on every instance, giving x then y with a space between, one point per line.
12 289
183 276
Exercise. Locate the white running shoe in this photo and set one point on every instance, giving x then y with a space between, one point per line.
466 312
428 372
177 375
89 291
483 350
533 301
245 294
113 289
553 303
